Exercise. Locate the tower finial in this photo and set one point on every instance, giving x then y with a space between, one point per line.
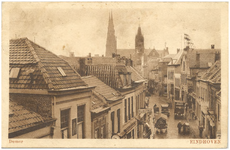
139 21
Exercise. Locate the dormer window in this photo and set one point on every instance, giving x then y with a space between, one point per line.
61 71
14 73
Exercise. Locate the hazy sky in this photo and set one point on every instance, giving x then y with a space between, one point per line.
84 30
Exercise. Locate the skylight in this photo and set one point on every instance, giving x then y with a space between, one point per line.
61 71
14 73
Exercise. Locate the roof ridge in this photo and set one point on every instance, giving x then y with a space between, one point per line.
24 38
40 65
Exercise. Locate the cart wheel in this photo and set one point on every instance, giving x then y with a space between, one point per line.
166 131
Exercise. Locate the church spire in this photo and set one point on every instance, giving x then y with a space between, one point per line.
139 41
111 43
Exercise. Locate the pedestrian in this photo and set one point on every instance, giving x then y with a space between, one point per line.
193 114
201 130
184 130
179 125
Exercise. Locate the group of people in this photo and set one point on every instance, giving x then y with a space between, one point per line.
184 126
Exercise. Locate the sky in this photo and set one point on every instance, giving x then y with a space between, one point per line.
84 30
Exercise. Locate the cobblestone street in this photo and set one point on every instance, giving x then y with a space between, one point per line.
172 131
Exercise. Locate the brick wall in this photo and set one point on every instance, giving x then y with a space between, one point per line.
40 104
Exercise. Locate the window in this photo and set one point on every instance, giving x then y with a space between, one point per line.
96 133
129 108
218 112
103 132
129 79
81 113
61 71
125 81
118 120
132 106
138 130
74 127
133 133
129 135
65 118
112 122
125 109
183 66
14 73
136 105
81 121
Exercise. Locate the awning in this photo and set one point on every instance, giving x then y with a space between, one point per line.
128 128
100 109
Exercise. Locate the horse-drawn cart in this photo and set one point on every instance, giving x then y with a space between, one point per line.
161 123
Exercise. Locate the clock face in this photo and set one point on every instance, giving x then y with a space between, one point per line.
115 137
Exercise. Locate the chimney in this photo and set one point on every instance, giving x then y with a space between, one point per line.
217 56
197 60
178 50
102 56
212 46
89 54
71 54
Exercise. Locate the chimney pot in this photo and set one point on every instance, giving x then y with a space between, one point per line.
212 46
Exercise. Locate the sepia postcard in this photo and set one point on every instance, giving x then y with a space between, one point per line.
115 74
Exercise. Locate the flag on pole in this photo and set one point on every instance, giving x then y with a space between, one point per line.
186 37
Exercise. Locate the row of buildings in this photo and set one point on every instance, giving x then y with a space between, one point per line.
50 99
194 77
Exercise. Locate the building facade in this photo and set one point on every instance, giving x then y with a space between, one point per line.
42 82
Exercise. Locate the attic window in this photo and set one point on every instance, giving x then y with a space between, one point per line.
61 71
14 73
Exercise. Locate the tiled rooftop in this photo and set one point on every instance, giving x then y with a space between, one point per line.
135 76
104 90
97 102
21 118
27 55
213 74
206 56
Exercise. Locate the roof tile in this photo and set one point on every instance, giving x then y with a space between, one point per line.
27 55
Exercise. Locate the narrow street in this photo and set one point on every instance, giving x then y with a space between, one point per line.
172 131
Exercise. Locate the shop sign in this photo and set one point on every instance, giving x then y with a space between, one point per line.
147 110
